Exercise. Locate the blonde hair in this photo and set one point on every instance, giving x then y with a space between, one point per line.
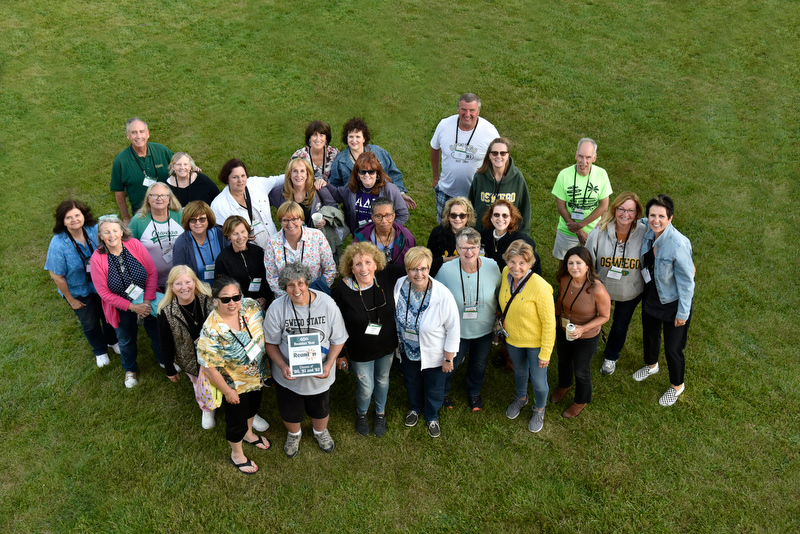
464 203
174 203
520 248
200 288
416 255
622 198
288 186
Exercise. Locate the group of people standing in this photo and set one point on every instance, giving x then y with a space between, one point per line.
236 302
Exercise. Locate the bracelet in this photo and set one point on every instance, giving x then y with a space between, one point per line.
448 361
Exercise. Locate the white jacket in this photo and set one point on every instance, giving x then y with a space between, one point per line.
439 326
259 187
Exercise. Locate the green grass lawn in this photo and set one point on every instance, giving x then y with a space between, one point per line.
696 100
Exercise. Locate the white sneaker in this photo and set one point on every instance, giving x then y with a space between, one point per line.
609 366
115 348
670 397
260 424
208 420
175 365
644 372
130 380
102 360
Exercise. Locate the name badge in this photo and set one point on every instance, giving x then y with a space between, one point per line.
373 329
88 267
167 254
258 227
134 292
410 335
255 285
577 214
470 312
147 182
615 273
646 275
209 272
564 322
253 350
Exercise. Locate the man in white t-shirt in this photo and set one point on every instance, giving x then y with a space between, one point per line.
581 192
461 142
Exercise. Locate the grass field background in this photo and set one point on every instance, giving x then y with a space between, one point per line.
696 100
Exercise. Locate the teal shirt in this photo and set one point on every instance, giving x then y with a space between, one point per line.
485 294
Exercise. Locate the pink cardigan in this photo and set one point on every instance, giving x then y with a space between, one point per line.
112 301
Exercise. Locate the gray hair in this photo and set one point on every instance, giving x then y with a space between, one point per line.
293 272
586 140
468 234
470 97
110 219
382 201
131 121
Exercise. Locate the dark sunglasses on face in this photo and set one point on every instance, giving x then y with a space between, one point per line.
235 298
461 216
499 152
364 172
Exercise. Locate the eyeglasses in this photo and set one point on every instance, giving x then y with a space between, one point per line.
158 197
293 220
419 270
467 249
623 210
363 172
499 152
501 215
461 216
235 298
198 220
383 217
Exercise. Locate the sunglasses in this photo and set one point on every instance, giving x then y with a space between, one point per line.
499 152
364 172
235 298
501 215
198 220
461 216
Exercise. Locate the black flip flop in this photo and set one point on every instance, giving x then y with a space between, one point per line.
248 463
260 441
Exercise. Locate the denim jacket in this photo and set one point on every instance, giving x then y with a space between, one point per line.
674 269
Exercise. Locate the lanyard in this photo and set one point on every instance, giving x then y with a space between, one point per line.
249 204
573 300
421 303
117 260
302 249
296 318
152 158
574 186
169 232
78 248
477 284
470 135
246 268
210 248
374 299
242 323
624 247
514 294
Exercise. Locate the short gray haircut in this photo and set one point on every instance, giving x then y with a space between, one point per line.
586 140
382 201
468 234
293 272
131 121
470 97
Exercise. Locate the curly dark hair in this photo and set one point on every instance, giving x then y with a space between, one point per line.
355 124
67 206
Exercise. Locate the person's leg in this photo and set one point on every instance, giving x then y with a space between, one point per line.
365 384
318 408
582 353
519 358
383 367
651 338
566 357
290 407
412 378
127 331
623 313
235 430
151 327
251 404
476 366
441 200
89 317
674 345
457 361
538 378
434 379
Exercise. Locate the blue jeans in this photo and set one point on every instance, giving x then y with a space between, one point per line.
476 366
623 313
372 382
526 363
128 331
321 285
98 332
424 387
575 358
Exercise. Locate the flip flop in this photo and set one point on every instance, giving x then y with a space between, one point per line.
248 463
260 441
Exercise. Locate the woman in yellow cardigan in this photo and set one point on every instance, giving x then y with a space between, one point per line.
528 319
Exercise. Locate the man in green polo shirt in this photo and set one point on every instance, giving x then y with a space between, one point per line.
138 167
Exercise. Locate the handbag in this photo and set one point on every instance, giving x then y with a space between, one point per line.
206 393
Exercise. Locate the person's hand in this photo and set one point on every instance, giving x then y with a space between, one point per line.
574 226
127 220
142 310
263 302
582 236
410 202
232 397
320 224
447 367
543 363
287 373
577 333
679 322
435 180
76 304
319 183
175 377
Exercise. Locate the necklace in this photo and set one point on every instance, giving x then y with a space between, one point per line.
190 313
388 238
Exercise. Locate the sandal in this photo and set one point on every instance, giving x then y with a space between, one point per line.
248 463
260 441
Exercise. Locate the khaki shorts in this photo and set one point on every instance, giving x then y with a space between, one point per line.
563 243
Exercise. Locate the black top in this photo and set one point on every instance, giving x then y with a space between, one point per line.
651 302
441 242
495 248
201 189
363 347
166 337
243 267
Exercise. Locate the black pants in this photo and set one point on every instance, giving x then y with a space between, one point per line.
236 415
575 359
674 343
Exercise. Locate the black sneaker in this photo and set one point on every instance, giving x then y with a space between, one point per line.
411 418
362 425
475 403
447 403
379 427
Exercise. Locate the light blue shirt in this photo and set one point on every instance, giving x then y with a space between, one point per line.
64 260
484 295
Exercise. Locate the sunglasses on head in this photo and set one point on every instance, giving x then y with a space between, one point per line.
363 172
235 298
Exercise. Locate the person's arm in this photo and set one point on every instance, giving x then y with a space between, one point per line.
184 255
167 341
565 214
601 208
333 354
683 269
401 210
271 268
328 266
61 284
100 281
216 378
603 303
435 155
122 203
274 353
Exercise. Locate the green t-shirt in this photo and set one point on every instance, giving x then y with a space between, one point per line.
581 192
128 171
